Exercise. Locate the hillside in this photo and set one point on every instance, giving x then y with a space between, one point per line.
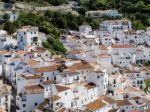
52 2
136 10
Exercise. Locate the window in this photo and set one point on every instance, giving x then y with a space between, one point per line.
24 105
35 39
36 104
21 39
65 93
123 111
114 81
24 98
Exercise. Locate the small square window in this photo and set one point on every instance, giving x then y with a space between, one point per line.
65 93
36 104
24 105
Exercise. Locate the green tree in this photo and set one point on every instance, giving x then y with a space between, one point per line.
10 27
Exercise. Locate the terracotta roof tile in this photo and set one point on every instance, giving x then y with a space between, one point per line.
104 56
45 69
47 82
123 46
40 49
90 86
102 47
54 98
32 62
95 105
61 110
20 53
33 89
80 66
75 52
109 100
147 110
4 52
30 77
61 88
122 102
136 98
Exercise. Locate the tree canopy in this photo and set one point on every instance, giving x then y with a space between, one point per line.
136 10
50 22
53 2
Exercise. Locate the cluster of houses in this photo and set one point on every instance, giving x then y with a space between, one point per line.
103 70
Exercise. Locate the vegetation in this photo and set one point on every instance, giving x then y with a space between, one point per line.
54 45
53 2
146 90
136 10
147 63
50 23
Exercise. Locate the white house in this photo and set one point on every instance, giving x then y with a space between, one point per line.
85 29
29 98
26 36
124 105
6 41
135 77
123 60
27 79
122 49
48 72
115 25
140 56
100 79
101 13
68 77
106 40
104 60
13 17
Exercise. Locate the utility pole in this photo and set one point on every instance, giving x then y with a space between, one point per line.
51 102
